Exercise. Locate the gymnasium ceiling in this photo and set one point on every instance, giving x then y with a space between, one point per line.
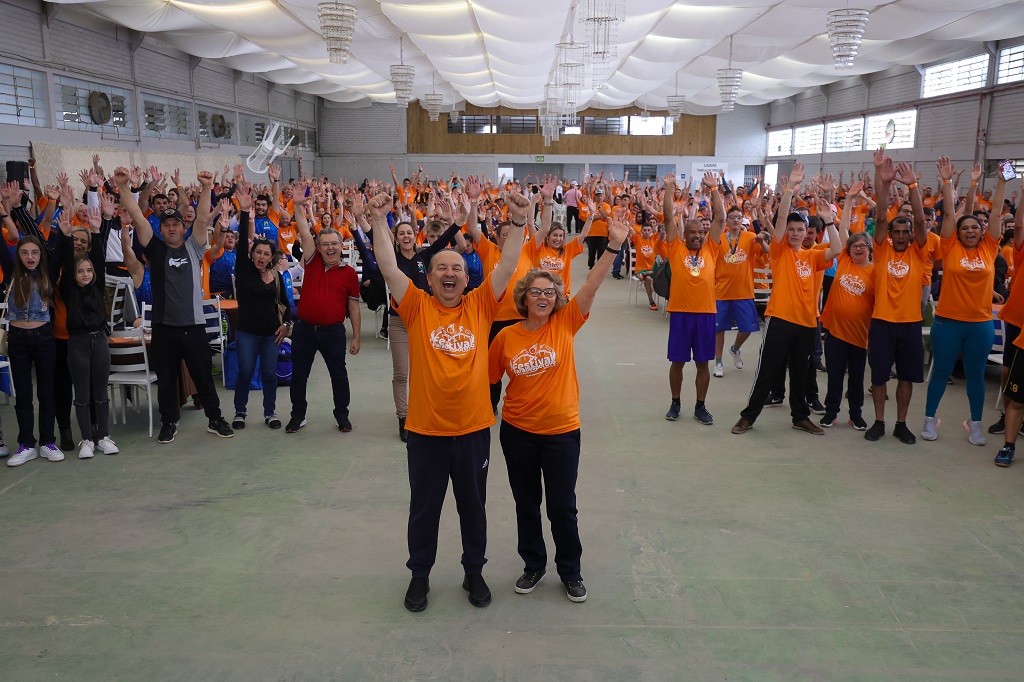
501 52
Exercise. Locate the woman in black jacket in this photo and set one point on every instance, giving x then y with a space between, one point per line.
264 316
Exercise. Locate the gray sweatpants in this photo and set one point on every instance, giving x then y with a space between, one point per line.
89 362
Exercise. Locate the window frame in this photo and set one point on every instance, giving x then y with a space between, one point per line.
960 73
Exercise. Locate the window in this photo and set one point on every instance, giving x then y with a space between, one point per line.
471 125
1011 65
904 130
515 125
166 118
652 125
617 125
845 136
23 99
640 173
251 129
211 126
780 142
751 172
963 74
72 96
808 139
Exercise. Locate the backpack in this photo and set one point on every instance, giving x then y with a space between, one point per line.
661 278
284 363
373 291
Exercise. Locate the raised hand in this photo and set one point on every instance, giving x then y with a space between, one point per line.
84 177
274 172
887 173
135 175
205 180
547 189
878 157
473 187
107 205
976 173
710 180
243 193
905 174
239 170
95 218
669 179
52 192
155 174
380 206
518 207
121 179
618 232
796 176
946 169
176 178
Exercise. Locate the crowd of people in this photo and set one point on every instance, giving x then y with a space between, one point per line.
855 270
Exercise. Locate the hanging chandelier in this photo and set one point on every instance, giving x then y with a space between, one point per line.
845 31
570 75
453 116
729 81
675 102
402 75
434 101
337 23
601 20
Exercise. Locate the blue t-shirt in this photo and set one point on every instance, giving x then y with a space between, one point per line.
221 271
265 228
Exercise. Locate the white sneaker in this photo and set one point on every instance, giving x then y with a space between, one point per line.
24 454
107 446
975 436
719 371
737 357
928 432
86 450
51 452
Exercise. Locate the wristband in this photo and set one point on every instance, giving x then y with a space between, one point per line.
947 182
974 184
515 224
912 185
611 250
832 224
549 203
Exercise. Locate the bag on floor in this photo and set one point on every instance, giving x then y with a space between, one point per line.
231 370
661 279
284 363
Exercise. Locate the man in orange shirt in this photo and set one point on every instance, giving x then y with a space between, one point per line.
597 238
691 300
448 422
734 288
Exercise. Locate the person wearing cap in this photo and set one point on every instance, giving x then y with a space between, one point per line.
179 331
734 288
597 238
572 199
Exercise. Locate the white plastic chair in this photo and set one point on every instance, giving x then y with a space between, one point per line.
269 149
215 331
134 371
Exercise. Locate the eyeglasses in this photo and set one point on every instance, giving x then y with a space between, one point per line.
546 293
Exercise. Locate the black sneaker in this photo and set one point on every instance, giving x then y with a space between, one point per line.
828 421
999 426
876 431
272 421
858 423
1003 459
815 406
416 595
702 415
479 593
616 275
220 427
294 424
239 421
673 412
903 433
818 366
345 426
773 401
167 432
575 590
527 582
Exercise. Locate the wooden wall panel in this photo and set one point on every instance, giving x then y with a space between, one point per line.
692 136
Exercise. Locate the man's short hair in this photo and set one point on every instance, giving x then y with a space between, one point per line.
159 196
263 197
929 212
329 230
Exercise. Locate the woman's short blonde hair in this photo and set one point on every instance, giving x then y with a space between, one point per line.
519 294
84 230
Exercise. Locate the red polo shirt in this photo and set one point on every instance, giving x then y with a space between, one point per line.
326 292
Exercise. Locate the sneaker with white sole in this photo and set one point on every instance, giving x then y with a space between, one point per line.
107 446
51 452
23 454
719 370
973 429
575 591
737 358
4 451
239 421
86 450
928 431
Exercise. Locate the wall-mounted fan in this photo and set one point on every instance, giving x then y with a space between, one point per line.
99 107
218 126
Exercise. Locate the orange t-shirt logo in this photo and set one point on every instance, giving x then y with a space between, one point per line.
695 267
972 264
898 269
536 359
739 257
804 270
553 264
455 342
853 285
647 250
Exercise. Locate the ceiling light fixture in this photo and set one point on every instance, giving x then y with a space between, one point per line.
729 81
601 19
402 75
845 31
337 23
434 100
676 102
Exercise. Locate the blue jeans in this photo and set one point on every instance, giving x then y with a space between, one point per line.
250 347
951 338
329 341
617 265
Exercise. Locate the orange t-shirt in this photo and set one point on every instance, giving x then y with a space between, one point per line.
858 218
205 266
794 291
490 256
930 250
1006 251
543 394
448 386
60 317
762 261
547 258
929 202
1012 311
646 250
899 278
286 236
968 276
693 277
984 205
847 313
599 228
734 272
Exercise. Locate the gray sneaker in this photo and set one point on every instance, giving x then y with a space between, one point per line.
974 432
928 432
737 357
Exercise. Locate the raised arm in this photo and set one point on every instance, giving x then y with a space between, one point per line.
972 194
199 226
668 207
135 268
995 219
884 174
300 198
617 235
143 230
906 175
383 250
274 173
518 215
547 193
946 170
1018 221
796 176
717 207
844 220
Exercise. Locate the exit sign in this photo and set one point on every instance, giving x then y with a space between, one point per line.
539 159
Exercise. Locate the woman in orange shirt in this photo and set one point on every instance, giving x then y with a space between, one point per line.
963 318
846 319
548 249
540 423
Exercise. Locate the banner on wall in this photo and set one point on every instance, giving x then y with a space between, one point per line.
702 167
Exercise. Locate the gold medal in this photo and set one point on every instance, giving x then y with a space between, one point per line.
695 272
730 258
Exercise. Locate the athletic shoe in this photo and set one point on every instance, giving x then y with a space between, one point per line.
742 426
4 450
719 370
876 431
673 412
773 401
858 423
527 582
345 426
294 425
808 426
903 433
479 593
973 429
239 421
999 426
86 450
575 591
1005 456
702 415
416 595
654 306
928 431
737 357
23 454
616 275
272 421
107 446
828 421
815 406
818 366
167 432
220 427
51 452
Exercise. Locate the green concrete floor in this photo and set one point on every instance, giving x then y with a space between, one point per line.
770 556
